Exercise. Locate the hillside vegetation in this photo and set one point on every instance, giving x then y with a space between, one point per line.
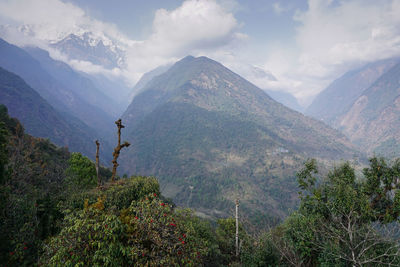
211 136
53 214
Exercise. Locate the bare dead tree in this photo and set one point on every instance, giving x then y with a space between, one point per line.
117 149
98 163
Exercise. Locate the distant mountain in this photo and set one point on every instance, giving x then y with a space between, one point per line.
99 50
286 99
148 76
63 98
69 78
373 121
337 98
211 136
41 120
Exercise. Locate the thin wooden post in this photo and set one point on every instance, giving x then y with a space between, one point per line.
237 229
98 163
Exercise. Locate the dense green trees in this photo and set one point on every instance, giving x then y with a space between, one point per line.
112 232
344 220
31 182
81 172
4 190
53 214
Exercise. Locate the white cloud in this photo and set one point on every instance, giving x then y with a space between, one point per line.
278 8
195 27
53 19
39 23
352 31
192 28
332 38
194 24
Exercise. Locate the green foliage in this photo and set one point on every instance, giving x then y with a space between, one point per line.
226 234
343 220
33 184
201 232
148 232
118 195
262 253
157 235
3 150
305 177
382 187
89 237
4 190
81 172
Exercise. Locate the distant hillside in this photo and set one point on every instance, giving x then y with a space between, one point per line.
373 121
42 120
18 61
337 98
69 78
286 99
210 136
146 78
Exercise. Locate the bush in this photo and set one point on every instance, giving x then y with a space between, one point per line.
147 232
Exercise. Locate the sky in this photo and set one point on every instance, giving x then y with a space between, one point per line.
296 46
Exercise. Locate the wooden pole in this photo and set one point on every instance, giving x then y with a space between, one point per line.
98 163
237 229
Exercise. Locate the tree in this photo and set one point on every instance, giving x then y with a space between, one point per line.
4 190
81 172
117 149
339 221
147 233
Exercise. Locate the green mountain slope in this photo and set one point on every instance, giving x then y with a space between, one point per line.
211 136
373 121
42 120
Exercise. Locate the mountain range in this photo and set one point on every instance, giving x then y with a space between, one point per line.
208 134
72 101
40 119
335 100
65 99
211 136
86 46
80 85
363 104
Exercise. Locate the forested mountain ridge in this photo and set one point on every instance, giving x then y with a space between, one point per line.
42 120
75 81
52 214
209 135
18 61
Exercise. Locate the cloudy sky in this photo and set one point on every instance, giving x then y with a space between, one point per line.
303 44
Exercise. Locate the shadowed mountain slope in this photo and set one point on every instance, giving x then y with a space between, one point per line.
40 119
